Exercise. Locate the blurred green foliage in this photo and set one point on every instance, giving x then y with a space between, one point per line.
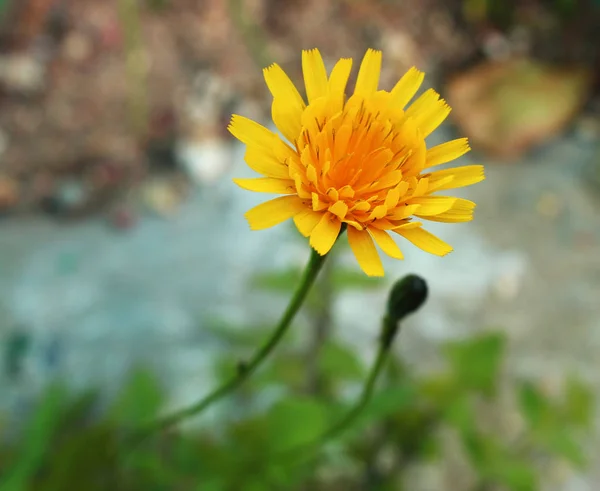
65 446
77 443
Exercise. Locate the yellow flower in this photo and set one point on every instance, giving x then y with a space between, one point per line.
361 161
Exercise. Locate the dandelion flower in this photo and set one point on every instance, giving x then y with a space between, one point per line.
360 160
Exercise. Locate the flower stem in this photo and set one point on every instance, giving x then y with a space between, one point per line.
304 453
389 326
245 369
365 396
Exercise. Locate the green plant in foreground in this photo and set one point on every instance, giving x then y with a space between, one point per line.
64 447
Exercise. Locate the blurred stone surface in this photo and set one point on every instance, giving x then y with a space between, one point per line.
507 108
9 193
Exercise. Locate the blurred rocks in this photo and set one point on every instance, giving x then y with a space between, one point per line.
164 195
9 193
22 73
123 218
153 90
507 108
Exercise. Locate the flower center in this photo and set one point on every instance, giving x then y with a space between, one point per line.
356 161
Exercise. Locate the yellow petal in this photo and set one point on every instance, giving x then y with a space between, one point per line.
440 154
364 249
267 185
392 198
425 240
337 82
356 225
407 87
317 203
422 187
386 243
383 224
461 211
287 103
251 133
434 118
281 87
346 192
378 212
306 221
438 184
428 111
264 162
408 225
273 212
301 189
423 104
342 137
287 119
411 136
432 205
339 208
313 117
325 233
315 75
461 176
368 74
403 212
387 180
361 206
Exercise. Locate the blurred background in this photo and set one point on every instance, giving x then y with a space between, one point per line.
130 282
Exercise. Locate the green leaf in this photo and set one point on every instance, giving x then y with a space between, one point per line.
439 390
476 362
295 422
535 407
560 442
288 370
89 455
579 404
386 403
139 400
212 484
548 422
354 279
459 413
37 437
479 448
496 464
339 362
516 474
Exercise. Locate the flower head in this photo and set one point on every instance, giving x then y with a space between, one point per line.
360 161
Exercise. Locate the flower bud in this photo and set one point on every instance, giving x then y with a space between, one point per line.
406 296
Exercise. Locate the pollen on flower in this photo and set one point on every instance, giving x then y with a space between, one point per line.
360 161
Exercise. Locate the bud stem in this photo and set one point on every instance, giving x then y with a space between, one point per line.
406 296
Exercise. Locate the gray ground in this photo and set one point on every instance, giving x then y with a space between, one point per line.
98 300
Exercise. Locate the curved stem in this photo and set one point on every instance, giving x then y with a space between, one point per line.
389 330
365 397
245 369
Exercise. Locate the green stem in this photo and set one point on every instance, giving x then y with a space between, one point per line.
245 369
365 397
389 330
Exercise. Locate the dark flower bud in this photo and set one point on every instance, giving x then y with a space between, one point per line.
406 296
